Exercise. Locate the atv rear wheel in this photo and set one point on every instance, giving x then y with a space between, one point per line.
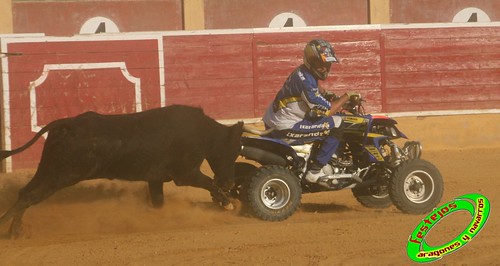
272 193
416 187
376 197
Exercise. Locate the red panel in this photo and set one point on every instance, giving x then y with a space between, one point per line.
442 62
259 13
432 11
70 92
65 18
211 71
455 45
90 78
445 32
442 68
224 98
443 98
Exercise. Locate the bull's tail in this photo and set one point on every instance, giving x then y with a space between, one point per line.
6 153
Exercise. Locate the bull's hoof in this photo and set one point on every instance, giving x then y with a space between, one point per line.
225 204
229 206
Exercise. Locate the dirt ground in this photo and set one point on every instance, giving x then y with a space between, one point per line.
112 223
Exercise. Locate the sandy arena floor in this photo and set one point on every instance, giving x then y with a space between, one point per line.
112 223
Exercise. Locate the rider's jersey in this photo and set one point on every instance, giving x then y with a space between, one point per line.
298 99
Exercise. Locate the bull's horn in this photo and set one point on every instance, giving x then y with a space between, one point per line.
256 131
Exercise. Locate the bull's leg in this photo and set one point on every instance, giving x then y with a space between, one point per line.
223 172
156 193
16 212
17 228
38 189
25 200
199 180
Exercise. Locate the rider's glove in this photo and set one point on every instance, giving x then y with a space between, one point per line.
330 96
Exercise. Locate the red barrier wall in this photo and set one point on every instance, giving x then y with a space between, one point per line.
66 18
63 77
259 13
235 74
432 11
441 69
213 71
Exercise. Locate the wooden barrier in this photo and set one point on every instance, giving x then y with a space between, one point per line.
234 74
444 68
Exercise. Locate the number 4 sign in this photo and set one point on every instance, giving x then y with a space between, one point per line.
99 25
471 14
287 20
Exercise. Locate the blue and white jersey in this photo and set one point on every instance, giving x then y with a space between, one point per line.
298 99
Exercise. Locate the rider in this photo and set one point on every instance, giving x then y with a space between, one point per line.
302 112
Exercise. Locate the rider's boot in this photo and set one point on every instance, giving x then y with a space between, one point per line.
314 173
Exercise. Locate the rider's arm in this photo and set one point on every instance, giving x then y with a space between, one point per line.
340 101
311 94
337 104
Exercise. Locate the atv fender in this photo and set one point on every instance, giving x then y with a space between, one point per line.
268 151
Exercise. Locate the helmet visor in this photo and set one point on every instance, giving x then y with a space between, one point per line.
327 55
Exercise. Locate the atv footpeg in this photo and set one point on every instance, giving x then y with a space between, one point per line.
328 182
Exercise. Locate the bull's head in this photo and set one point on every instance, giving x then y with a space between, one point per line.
224 155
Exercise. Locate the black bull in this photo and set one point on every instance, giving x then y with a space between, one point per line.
156 146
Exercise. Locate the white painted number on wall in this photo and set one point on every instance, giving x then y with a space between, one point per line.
98 25
471 14
287 20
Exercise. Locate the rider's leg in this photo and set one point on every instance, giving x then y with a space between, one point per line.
327 148
328 130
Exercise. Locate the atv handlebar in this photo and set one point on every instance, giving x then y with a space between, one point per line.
354 105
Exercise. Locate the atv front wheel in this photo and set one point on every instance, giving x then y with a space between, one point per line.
272 193
416 187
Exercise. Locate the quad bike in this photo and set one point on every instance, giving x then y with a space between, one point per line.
368 161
